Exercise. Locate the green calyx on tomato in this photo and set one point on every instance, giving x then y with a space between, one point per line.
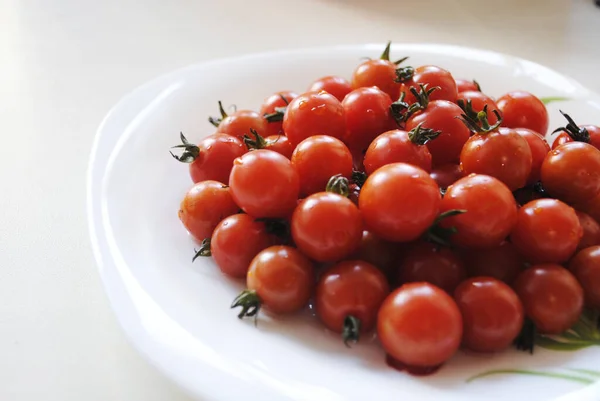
217 120
399 110
204 249
420 136
250 303
190 151
525 341
578 134
338 184
404 74
277 115
351 330
257 143
480 125
422 97
440 235
358 178
386 54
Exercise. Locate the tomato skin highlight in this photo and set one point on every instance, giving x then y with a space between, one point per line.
337 86
539 150
521 109
204 206
215 160
551 296
399 184
492 313
282 277
585 265
378 73
350 288
547 231
396 147
420 325
264 184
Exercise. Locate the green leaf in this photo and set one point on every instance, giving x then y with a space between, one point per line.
589 372
575 378
550 99
550 343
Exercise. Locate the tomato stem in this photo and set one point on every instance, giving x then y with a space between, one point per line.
204 249
525 341
401 60
420 136
351 330
217 120
257 143
477 85
250 303
338 184
440 235
404 74
358 178
190 151
480 125
386 52
399 110
467 107
578 134
277 115
422 97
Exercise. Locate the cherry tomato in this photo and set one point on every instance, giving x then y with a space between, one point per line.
204 206
378 252
521 109
282 279
463 85
478 102
367 112
501 153
399 146
586 268
547 231
213 158
314 113
502 262
348 297
447 174
539 150
264 184
552 297
433 264
491 211
492 314
337 86
327 227
317 158
276 100
571 172
236 240
240 122
591 207
280 144
591 230
420 325
580 133
432 76
399 202
379 73
441 115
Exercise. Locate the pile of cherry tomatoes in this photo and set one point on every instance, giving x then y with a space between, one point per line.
406 201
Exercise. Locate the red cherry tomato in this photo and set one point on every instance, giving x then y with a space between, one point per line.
463 85
240 123
539 150
586 268
420 325
314 113
571 172
521 109
236 241
591 230
491 211
433 264
447 174
280 144
317 158
264 184
337 86
552 297
478 102
204 206
441 115
348 297
399 146
547 231
502 262
432 76
276 100
378 252
492 314
591 207
501 153
580 133
367 112
399 202
378 73
327 227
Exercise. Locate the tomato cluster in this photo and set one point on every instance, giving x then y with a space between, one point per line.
403 201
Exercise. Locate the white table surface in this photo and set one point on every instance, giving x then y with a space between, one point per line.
64 63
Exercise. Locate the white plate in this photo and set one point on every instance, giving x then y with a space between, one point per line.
177 313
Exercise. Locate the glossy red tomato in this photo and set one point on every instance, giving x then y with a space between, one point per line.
367 112
591 230
591 207
327 227
463 85
432 76
379 73
547 231
433 264
491 211
337 86
204 206
420 325
399 202
264 184
447 174
317 158
280 144
586 268
571 172
492 314
478 102
501 153
502 262
521 109
269 106
539 150
580 133
399 146
212 158
314 113
236 241
348 297
281 278
240 122
380 253
552 297
441 115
